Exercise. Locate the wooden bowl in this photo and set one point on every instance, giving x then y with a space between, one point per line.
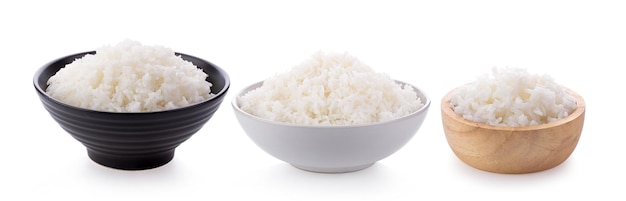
512 150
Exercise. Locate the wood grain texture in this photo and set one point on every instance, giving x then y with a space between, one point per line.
513 150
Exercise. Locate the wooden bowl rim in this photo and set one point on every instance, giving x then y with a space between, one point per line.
577 113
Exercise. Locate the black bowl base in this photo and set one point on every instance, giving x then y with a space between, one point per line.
134 163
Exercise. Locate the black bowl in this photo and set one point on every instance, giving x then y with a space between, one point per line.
132 141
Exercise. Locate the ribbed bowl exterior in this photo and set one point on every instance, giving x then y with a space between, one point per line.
132 141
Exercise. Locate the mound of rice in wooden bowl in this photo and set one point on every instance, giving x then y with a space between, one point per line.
513 122
331 114
131 105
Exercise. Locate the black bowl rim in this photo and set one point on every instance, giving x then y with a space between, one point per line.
40 90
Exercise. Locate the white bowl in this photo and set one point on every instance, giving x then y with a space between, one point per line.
330 149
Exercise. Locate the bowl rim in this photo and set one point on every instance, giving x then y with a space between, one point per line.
255 85
40 90
578 112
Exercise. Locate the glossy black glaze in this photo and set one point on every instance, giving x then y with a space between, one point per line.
132 141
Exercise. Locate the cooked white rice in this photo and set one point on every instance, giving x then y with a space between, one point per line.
130 77
331 89
513 97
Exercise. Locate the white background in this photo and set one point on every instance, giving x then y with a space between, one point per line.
435 45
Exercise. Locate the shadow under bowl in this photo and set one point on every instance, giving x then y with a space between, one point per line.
132 141
330 149
512 150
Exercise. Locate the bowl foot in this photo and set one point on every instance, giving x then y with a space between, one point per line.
122 162
333 169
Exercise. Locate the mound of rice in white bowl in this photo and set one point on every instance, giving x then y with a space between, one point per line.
331 89
130 77
513 97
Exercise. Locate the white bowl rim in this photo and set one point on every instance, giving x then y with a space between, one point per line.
255 85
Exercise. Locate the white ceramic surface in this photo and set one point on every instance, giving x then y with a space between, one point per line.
330 149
